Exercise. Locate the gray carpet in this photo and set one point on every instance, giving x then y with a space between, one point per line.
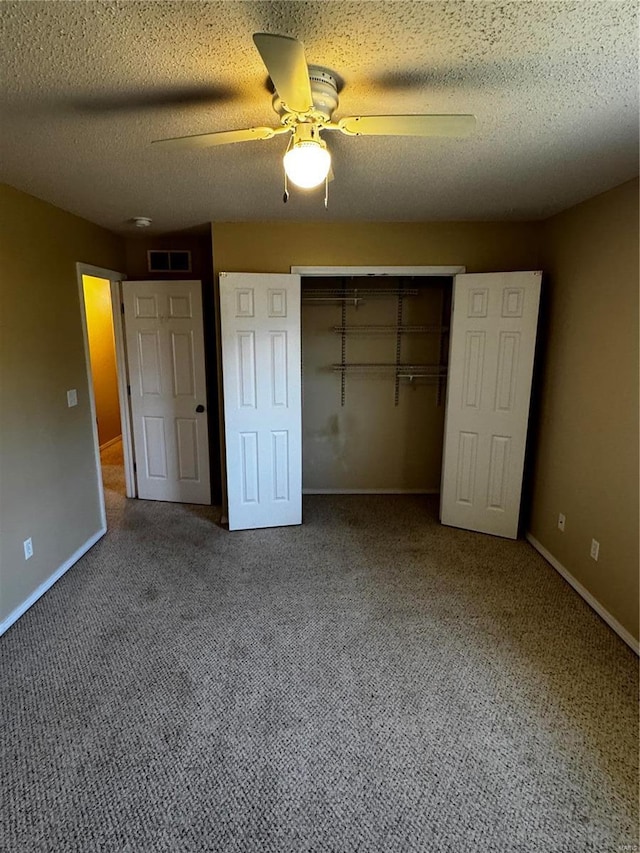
369 681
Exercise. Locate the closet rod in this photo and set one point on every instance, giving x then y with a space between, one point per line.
429 377
354 292
404 330
413 369
356 300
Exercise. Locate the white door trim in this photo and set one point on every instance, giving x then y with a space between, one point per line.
379 271
131 487
114 278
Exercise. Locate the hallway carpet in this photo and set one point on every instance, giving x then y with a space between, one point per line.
369 681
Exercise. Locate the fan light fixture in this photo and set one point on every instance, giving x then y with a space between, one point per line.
305 98
307 163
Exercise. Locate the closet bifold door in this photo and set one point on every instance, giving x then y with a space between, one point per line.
493 336
260 335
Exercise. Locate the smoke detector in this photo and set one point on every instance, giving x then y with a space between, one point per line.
141 221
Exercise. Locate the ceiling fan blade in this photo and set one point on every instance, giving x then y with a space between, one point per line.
420 125
223 137
287 67
160 98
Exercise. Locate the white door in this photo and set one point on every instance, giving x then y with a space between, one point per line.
261 372
165 355
493 335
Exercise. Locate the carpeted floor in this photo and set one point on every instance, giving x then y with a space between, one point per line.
369 681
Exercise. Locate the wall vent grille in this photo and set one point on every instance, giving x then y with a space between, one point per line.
169 260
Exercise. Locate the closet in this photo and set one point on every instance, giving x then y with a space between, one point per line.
374 356
367 411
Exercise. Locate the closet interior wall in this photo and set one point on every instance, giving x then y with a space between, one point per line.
374 352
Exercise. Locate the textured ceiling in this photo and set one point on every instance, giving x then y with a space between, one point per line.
87 86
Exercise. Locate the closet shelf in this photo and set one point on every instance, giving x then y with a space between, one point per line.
353 294
436 371
390 330
398 371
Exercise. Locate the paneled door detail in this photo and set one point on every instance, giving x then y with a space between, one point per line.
260 327
493 336
165 354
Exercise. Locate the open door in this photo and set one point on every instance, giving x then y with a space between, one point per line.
261 372
165 354
493 336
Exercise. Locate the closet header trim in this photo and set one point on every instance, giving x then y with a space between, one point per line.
378 271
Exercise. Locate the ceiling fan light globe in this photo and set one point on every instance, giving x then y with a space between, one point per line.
307 164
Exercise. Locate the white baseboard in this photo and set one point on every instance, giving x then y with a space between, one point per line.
110 442
45 585
611 621
371 491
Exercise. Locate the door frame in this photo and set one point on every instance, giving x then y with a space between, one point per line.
337 272
115 280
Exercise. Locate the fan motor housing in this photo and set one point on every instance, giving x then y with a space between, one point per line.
324 92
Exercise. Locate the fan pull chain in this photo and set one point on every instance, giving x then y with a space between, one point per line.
326 193
285 195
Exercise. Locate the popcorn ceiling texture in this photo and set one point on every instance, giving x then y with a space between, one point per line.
87 86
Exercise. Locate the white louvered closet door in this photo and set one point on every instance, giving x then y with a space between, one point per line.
260 330
493 336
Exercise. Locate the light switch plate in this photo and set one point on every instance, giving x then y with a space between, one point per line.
72 397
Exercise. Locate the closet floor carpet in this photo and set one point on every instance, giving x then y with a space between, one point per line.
369 681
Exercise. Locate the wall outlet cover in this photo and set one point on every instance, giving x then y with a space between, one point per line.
72 397
595 549
28 548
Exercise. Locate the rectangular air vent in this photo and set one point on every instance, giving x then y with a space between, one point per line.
170 260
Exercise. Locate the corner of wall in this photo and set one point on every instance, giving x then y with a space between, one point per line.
585 445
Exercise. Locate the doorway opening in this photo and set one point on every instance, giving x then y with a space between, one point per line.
104 377
105 362
260 331
375 352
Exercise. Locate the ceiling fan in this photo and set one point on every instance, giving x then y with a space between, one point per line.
305 98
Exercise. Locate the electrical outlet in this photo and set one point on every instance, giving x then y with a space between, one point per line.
72 397
28 548
595 549
561 522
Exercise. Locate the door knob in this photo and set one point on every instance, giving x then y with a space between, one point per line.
200 408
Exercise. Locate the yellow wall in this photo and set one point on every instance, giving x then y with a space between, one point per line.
137 246
586 449
585 430
48 479
276 246
97 300
198 243
586 458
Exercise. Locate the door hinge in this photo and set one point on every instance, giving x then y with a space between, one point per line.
128 390
135 468
122 307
